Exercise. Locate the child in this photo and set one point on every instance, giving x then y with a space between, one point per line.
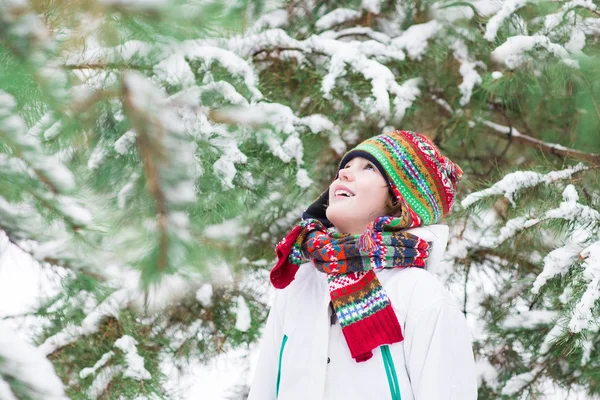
363 319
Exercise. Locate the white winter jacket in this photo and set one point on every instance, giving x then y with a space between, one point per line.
304 357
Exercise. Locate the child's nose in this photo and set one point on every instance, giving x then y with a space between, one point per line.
345 174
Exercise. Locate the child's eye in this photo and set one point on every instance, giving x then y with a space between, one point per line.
370 166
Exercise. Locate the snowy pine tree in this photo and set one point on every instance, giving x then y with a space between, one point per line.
154 153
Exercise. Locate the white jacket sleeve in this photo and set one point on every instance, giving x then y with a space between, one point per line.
439 354
265 378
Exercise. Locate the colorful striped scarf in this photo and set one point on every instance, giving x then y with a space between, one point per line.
350 261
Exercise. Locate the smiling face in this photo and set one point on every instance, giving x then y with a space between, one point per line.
358 196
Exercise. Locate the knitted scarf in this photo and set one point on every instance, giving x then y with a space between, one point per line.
360 302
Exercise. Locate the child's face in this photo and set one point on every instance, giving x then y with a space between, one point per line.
368 196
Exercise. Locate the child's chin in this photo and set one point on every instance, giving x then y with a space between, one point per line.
337 213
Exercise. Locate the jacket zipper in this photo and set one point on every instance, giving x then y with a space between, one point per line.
285 338
390 371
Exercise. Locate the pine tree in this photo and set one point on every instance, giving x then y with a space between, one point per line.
158 152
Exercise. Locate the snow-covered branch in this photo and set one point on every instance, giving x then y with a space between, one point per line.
515 181
26 368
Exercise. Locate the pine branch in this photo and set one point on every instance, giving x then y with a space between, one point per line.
62 263
150 156
512 134
107 66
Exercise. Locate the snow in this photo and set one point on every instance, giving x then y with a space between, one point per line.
224 89
414 39
569 209
509 230
135 363
451 14
74 211
124 143
273 19
302 179
110 307
126 191
583 317
516 383
467 70
102 380
133 51
27 364
14 130
486 373
84 373
494 23
5 391
558 261
204 295
513 182
242 319
235 64
53 131
530 319
96 157
372 6
511 52
145 5
336 17
227 230
175 70
363 31
550 338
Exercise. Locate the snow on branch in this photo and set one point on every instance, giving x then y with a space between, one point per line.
135 53
283 120
512 134
583 316
135 363
24 32
558 261
530 319
494 23
337 17
569 209
109 307
358 31
372 6
27 367
513 182
414 39
243 318
228 60
102 380
353 55
467 69
168 157
518 382
511 52
84 373
13 130
136 5
273 19
58 179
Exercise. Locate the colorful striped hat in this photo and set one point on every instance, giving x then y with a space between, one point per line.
418 175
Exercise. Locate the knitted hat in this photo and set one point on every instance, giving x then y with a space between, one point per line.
417 174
